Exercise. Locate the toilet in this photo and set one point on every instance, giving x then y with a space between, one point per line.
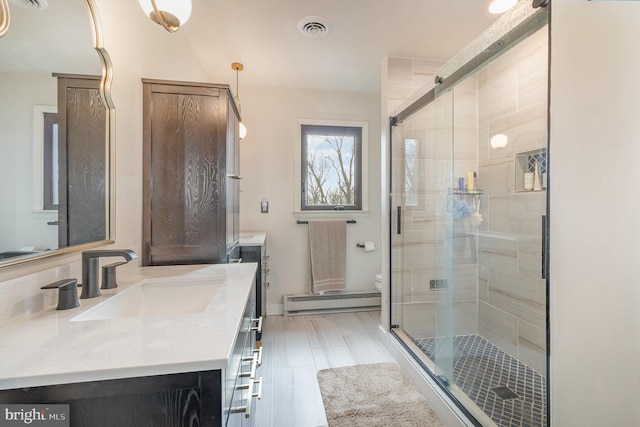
378 283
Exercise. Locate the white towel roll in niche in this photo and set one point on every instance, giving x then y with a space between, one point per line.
369 246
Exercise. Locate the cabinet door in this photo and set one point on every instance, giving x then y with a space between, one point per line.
184 169
81 161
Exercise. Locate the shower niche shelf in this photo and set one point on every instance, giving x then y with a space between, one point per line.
526 162
457 192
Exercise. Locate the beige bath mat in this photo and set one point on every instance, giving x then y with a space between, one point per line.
376 395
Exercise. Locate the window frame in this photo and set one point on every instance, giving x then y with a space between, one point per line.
325 130
39 159
356 129
50 162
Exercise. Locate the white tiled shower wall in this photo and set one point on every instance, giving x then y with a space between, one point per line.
512 99
498 290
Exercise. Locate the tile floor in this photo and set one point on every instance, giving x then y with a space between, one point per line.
296 348
487 375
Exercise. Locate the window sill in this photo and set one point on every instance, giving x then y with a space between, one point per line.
307 215
44 212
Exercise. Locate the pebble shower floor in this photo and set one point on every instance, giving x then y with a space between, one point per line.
484 373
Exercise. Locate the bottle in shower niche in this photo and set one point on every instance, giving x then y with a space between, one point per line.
471 182
537 184
528 181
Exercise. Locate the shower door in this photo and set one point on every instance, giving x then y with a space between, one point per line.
422 244
468 213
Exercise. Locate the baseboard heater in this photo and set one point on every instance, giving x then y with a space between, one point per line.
331 303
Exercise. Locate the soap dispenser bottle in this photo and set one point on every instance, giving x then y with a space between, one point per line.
537 184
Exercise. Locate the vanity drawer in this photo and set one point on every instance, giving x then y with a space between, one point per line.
234 368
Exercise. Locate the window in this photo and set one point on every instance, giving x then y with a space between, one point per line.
50 163
331 167
45 158
411 180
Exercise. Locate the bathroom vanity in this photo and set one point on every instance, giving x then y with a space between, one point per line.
171 345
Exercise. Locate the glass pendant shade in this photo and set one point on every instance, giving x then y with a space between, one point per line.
174 12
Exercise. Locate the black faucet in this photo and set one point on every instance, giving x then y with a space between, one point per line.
90 264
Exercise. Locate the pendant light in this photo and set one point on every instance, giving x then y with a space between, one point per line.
242 129
170 14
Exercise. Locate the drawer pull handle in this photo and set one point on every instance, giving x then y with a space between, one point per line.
247 408
258 328
254 366
257 351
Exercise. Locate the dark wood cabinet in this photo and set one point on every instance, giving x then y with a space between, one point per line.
81 160
185 400
190 164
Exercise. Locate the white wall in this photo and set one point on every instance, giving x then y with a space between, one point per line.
267 163
595 205
20 225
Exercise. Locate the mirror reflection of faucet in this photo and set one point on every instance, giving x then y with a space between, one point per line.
90 264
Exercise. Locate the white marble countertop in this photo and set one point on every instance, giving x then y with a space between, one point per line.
252 238
47 348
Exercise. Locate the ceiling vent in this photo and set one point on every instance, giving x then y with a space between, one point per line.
314 26
31 4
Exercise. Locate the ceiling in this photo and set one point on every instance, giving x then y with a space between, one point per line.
263 35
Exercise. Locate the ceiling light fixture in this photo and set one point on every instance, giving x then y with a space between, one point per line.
242 129
501 6
170 14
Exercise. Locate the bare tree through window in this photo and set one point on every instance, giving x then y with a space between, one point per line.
331 161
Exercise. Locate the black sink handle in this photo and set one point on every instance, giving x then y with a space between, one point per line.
67 293
109 275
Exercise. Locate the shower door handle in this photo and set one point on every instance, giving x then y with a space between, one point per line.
544 246
399 230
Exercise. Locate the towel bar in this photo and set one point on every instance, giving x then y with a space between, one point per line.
349 221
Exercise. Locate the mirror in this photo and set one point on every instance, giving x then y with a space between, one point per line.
55 127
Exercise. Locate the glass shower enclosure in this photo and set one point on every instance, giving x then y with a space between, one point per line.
468 235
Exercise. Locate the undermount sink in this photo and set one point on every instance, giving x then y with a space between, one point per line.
157 298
